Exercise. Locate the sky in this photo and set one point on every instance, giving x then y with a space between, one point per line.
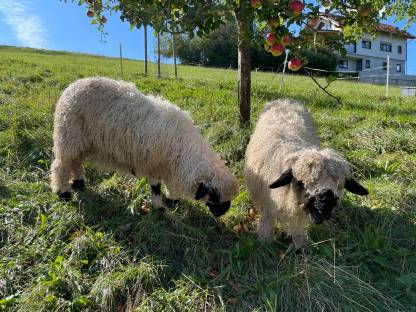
56 25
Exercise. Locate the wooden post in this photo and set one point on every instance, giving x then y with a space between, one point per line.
145 50
121 62
174 55
387 75
284 69
158 55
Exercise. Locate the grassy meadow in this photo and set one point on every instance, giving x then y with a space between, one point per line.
104 252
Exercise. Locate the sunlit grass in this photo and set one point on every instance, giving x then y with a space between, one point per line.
99 253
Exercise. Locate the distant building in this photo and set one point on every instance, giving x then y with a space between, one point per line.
367 58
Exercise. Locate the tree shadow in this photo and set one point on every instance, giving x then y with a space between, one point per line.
4 192
191 243
187 239
323 101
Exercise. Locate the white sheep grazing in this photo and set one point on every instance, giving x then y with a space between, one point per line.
289 176
117 128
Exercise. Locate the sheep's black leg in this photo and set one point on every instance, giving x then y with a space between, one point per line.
171 203
78 185
78 175
156 195
156 189
65 196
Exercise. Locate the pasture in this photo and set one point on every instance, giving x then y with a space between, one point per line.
105 252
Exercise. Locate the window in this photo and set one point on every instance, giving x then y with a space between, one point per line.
351 48
367 64
399 68
399 49
386 47
384 65
343 64
366 44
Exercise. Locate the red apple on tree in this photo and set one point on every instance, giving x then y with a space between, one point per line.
285 39
267 47
255 3
272 23
277 49
365 12
271 38
296 7
326 3
90 13
295 64
103 20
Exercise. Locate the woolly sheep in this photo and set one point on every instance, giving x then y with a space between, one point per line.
289 176
113 125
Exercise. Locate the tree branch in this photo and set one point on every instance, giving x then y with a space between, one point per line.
337 98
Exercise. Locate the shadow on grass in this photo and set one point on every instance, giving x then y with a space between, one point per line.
190 242
322 101
4 192
374 247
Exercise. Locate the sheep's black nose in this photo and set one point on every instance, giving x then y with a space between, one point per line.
325 201
218 209
320 206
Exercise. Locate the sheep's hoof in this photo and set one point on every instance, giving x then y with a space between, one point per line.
78 185
65 196
171 203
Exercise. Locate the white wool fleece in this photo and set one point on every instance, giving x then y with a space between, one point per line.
118 128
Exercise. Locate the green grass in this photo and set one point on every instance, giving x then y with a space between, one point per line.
98 253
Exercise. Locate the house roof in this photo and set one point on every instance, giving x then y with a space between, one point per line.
385 28
382 28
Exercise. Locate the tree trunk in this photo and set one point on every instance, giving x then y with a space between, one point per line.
145 50
244 21
158 55
174 55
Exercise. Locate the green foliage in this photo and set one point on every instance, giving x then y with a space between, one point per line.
322 58
219 48
98 253
202 17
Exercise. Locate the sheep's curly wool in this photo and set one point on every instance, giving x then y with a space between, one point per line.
285 139
118 128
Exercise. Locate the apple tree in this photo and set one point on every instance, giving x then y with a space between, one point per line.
282 24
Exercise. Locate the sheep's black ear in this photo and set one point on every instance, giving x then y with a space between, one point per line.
201 191
284 179
355 187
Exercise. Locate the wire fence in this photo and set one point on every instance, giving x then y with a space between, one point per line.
377 75
271 79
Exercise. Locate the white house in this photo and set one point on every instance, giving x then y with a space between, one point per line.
367 58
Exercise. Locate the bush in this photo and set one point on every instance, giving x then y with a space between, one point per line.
322 58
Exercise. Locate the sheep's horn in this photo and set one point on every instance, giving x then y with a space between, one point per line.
284 179
355 187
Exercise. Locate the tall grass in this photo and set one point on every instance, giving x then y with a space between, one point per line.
100 252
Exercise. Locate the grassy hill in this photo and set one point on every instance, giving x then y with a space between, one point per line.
101 252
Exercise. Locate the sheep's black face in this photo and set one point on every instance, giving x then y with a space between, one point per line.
320 206
212 198
218 209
